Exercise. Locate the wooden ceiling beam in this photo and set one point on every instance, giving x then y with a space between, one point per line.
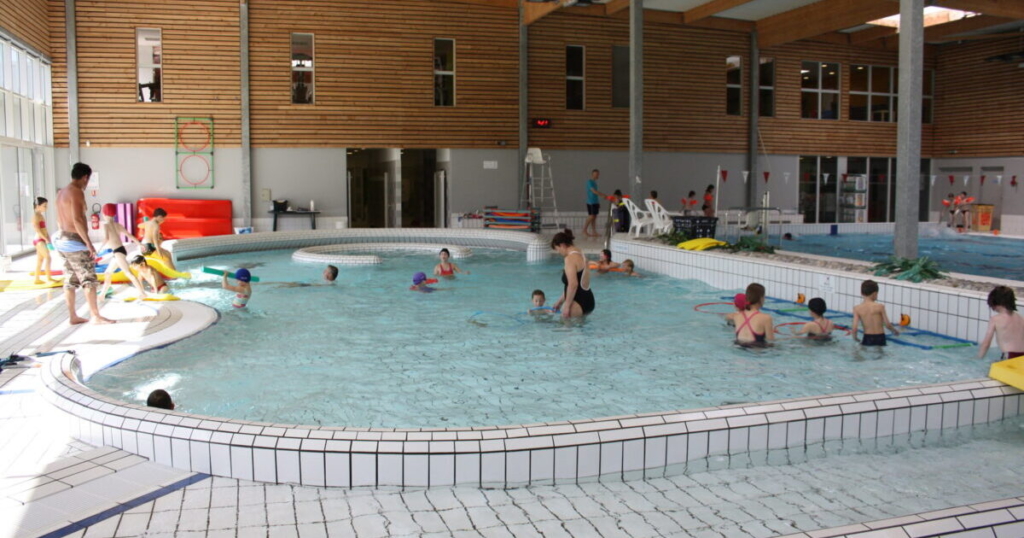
821 18
960 26
615 6
711 8
511 4
1013 9
535 11
722 23
871 34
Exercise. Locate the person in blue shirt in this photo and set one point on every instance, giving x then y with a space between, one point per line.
593 204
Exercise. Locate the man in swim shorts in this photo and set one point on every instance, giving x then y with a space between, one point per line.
73 243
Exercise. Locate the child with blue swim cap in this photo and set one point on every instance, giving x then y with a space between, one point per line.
420 283
243 291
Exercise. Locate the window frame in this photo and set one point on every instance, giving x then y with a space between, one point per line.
761 88
893 94
731 86
302 69
437 72
140 65
629 61
582 79
820 91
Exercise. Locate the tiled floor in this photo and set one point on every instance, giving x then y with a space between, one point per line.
50 482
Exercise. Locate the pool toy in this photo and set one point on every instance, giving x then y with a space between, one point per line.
800 298
218 272
27 285
702 308
593 267
160 297
702 243
904 320
543 309
995 232
1010 372
156 263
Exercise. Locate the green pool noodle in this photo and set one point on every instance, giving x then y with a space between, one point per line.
218 272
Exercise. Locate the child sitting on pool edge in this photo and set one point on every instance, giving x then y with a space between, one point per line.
872 315
243 291
818 327
420 281
1006 325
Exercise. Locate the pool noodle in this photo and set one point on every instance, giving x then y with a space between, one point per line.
218 272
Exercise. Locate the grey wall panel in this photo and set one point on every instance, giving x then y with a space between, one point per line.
471 186
300 175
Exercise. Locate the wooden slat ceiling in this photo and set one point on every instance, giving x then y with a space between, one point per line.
782 21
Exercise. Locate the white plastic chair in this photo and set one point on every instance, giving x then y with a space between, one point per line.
638 218
662 220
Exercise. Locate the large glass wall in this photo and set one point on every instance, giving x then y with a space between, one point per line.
26 143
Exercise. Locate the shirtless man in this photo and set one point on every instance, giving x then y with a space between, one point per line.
151 236
1006 325
72 241
871 314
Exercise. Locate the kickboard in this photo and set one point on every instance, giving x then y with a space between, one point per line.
27 285
1010 372
155 298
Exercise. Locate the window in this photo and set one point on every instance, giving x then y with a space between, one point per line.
734 86
819 90
574 74
149 56
620 77
303 79
874 93
444 72
927 91
819 188
766 93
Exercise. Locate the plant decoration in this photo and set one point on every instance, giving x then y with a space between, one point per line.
673 238
914 270
750 243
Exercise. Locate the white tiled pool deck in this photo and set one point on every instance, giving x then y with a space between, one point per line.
53 485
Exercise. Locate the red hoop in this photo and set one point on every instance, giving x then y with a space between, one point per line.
181 173
698 308
181 131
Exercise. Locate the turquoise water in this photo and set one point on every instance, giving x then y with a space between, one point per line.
368 352
997 257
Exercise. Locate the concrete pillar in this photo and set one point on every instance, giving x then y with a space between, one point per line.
524 101
74 154
908 138
243 31
636 98
755 114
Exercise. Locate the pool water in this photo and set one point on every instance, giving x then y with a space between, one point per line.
997 257
367 352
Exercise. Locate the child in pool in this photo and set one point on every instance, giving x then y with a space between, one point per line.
42 241
872 314
420 283
446 268
628 268
819 327
112 232
243 291
539 307
753 327
1006 325
149 275
160 400
740 302
604 262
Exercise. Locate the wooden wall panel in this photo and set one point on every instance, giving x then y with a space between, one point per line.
59 72
28 20
374 74
980 107
201 74
685 92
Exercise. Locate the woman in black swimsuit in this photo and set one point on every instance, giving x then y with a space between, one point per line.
577 299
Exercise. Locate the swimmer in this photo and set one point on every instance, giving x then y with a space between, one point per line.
819 328
539 307
740 302
420 283
331 273
1006 325
243 291
446 268
160 400
628 268
605 263
149 275
754 328
871 314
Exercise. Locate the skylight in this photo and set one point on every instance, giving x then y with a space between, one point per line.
932 16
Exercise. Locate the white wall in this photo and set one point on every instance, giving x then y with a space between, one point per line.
471 186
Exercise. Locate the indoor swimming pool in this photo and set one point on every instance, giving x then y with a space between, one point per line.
991 256
367 352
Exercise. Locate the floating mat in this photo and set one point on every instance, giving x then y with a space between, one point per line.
160 297
156 263
1010 372
27 285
